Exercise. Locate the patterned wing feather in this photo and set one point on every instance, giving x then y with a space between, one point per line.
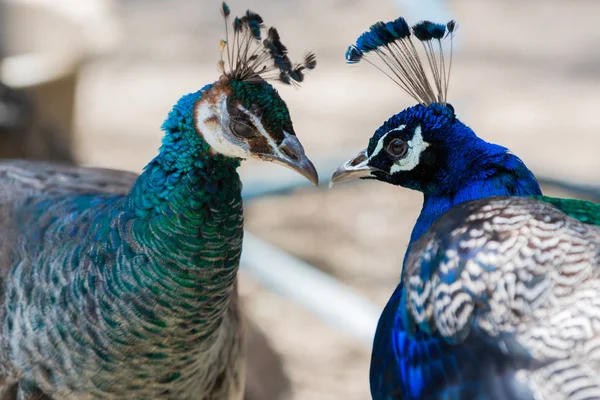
23 178
90 289
20 180
521 275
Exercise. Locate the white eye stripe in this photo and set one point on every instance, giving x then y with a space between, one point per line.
256 121
379 146
416 147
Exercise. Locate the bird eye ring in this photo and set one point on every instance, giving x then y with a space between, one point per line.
242 130
397 148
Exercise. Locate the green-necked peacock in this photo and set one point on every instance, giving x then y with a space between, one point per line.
498 298
114 290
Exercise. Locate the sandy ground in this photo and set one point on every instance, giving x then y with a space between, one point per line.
526 74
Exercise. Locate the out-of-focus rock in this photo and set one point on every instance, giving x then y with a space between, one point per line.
24 135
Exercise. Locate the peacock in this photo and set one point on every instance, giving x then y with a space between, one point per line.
122 286
488 305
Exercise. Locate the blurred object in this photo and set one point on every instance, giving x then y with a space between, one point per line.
23 135
266 378
98 31
575 189
41 55
308 286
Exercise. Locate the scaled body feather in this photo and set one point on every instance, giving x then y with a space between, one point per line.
119 290
521 278
119 286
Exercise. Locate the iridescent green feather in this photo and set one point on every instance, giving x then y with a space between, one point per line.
582 210
124 286
276 116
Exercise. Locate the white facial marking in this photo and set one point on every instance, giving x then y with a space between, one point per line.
416 146
221 142
212 131
379 146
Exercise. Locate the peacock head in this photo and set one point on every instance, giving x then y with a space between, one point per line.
423 146
242 115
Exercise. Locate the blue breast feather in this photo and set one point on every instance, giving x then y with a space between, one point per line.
406 365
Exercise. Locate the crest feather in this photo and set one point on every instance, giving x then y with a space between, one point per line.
250 57
392 43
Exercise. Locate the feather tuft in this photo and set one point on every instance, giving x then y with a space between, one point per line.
427 30
451 25
371 39
237 25
437 31
422 31
272 34
353 55
310 61
381 34
392 43
225 11
284 78
254 22
296 74
398 28
253 17
250 58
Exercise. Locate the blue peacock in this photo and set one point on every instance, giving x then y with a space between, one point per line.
498 295
122 286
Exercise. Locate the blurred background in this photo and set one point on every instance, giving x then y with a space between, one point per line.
91 81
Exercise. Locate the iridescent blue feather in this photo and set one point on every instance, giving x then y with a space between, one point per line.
410 359
382 34
392 43
426 30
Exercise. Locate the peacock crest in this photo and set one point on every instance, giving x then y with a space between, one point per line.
394 45
249 57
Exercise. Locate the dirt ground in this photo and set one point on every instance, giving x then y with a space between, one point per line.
526 75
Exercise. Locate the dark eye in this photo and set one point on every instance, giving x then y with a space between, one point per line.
397 148
242 130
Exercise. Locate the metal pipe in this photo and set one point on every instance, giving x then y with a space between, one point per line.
337 304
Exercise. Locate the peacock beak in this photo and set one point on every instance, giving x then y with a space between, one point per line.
356 167
290 154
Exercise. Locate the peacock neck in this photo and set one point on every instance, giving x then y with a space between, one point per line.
185 225
185 165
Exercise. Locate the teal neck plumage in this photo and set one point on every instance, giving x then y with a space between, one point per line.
141 287
183 164
188 219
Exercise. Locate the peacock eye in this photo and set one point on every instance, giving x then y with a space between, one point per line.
397 148
242 130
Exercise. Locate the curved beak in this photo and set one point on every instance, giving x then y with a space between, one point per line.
356 167
290 154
